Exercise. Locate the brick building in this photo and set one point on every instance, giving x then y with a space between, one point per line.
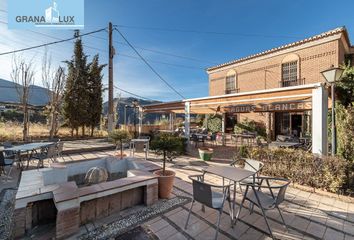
282 88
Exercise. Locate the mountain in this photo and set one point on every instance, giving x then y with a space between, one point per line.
148 118
8 94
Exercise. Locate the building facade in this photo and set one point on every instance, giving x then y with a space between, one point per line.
281 88
298 63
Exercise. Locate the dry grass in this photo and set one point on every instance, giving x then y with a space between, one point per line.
12 131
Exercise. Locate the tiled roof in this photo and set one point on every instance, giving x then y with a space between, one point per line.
313 38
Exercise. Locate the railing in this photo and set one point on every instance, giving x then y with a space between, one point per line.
230 91
293 82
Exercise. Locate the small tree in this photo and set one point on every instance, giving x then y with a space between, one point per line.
167 145
119 136
22 75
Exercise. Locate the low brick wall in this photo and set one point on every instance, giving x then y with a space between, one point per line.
105 206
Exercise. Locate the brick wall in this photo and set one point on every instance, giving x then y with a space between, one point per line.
266 73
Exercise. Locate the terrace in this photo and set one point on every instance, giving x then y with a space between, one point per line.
309 213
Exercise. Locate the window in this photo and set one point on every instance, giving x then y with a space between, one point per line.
231 84
289 74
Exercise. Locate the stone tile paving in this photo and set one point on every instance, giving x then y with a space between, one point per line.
308 215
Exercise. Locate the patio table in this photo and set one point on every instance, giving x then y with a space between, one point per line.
248 137
278 144
233 174
29 148
139 140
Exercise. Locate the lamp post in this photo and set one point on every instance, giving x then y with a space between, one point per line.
332 75
135 105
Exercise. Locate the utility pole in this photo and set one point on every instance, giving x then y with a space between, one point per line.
110 80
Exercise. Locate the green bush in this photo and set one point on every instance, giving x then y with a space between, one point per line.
251 126
213 124
167 145
119 136
301 167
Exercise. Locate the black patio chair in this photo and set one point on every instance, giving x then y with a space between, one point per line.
265 201
250 165
4 162
203 193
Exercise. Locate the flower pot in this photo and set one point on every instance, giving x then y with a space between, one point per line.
165 183
205 153
117 154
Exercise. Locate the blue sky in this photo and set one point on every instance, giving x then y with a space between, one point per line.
204 33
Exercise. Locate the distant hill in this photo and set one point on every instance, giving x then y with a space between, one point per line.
8 93
148 118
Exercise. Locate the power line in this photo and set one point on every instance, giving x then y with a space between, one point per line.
206 32
51 43
166 63
133 94
160 52
147 63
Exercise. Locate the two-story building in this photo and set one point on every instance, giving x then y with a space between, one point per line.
281 88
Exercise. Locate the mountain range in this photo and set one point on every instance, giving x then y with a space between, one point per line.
38 96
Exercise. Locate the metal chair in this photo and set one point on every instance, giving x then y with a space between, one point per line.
265 201
4 162
59 149
250 165
52 153
140 147
203 193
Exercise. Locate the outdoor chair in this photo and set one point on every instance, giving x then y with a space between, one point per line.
4 162
52 153
140 147
209 195
9 154
59 149
250 165
265 201
213 139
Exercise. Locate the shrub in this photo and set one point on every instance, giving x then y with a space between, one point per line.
251 126
119 136
213 124
168 146
302 167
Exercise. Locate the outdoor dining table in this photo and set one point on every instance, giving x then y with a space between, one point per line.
249 137
29 149
278 144
234 174
139 140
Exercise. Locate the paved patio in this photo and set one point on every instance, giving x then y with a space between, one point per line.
308 215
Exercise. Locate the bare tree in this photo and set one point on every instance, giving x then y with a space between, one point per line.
22 75
54 81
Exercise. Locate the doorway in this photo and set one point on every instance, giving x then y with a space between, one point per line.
296 125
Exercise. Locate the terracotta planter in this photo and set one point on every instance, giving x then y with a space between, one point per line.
205 153
117 154
165 183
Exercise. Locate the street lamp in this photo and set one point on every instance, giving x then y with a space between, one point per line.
332 75
135 105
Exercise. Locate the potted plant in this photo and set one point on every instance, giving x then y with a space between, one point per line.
205 153
119 136
168 146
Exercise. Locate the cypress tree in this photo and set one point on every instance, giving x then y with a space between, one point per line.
95 93
76 98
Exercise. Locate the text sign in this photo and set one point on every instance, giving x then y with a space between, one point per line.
59 14
272 107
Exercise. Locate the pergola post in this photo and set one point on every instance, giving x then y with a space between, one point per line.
171 121
140 115
223 128
319 121
187 119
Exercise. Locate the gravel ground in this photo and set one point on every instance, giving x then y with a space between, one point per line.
134 219
7 204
